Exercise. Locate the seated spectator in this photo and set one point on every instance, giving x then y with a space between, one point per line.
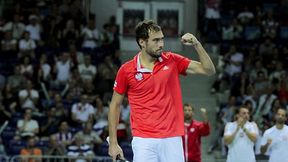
49 123
101 116
90 35
16 27
82 111
26 46
107 71
26 67
245 15
5 112
28 97
87 70
260 83
77 57
8 45
64 137
31 150
270 25
89 136
69 34
235 60
34 28
15 81
27 127
62 69
79 150
54 148
43 70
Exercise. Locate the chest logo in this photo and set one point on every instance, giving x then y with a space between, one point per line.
192 129
165 67
139 76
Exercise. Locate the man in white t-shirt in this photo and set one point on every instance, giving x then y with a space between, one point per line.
275 139
28 97
240 137
83 111
87 70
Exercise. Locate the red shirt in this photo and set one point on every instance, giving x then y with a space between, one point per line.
154 96
192 140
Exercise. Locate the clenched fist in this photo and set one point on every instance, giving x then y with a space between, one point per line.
189 39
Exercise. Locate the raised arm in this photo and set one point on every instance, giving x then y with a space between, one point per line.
205 66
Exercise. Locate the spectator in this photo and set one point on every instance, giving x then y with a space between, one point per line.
49 123
29 97
16 27
235 60
79 150
54 148
245 15
15 81
34 28
31 150
43 70
69 34
90 35
82 111
87 70
27 46
27 127
240 137
8 44
89 136
64 137
62 69
101 116
26 67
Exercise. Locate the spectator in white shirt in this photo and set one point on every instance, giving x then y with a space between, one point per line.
90 35
34 28
28 97
87 70
82 111
240 136
26 46
16 26
62 68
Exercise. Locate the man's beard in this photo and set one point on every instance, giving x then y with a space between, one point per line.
155 54
280 121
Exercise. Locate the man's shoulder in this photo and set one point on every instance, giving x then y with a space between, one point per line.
127 66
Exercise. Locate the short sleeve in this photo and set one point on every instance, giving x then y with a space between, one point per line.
228 129
182 63
121 84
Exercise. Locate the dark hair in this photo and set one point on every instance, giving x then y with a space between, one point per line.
188 105
143 29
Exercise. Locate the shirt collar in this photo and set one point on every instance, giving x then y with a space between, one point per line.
141 69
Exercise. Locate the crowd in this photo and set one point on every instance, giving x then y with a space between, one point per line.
56 76
252 69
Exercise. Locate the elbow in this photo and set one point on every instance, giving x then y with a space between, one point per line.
210 71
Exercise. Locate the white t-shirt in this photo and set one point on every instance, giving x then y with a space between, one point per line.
82 112
28 102
241 149
87 73
27 44
63 70
279 146
29 128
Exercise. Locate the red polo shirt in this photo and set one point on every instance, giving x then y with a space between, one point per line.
154 96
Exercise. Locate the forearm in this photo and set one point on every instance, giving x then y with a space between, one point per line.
205 60
251 136
229 139
113 118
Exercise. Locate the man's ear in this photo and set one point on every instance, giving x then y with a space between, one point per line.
142 43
